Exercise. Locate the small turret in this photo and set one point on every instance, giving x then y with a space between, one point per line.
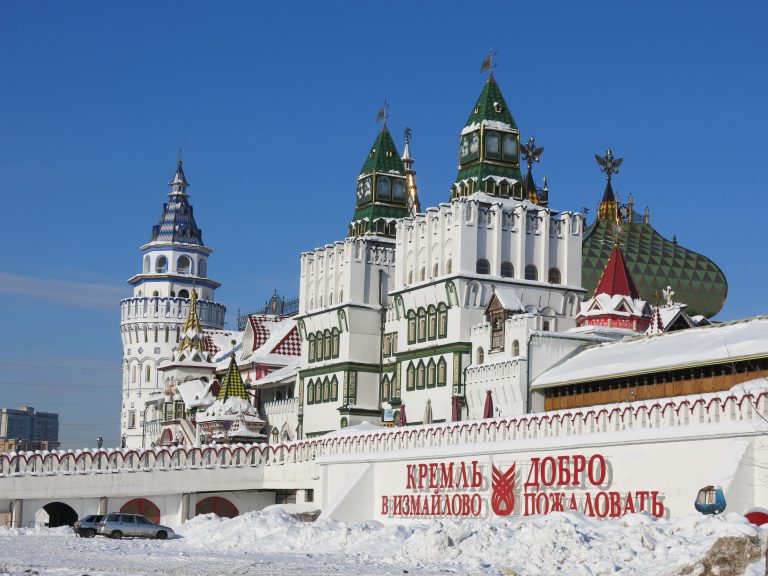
414 206
489 148
381 189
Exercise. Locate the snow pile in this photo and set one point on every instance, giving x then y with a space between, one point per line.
229 409
559 543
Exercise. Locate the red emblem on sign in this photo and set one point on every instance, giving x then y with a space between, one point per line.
503 499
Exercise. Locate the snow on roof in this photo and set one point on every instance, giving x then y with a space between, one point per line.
493 124
692 347
196 393
616 305
281 374
509 203
223 341
364 426
508 298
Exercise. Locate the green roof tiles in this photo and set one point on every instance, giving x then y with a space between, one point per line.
383 156
491 106
655 263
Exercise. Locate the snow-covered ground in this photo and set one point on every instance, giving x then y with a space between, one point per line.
273 543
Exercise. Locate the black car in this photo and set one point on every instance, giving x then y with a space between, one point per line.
88 527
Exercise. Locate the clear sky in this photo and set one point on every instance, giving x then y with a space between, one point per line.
274 105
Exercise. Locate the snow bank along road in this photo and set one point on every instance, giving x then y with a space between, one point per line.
274 543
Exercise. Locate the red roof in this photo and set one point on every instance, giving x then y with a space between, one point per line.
616 278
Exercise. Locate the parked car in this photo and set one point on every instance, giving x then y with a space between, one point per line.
88 527
119 525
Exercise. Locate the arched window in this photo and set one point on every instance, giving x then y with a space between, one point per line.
167 333
515 348
133 375
310 392
395 386
492 145
147 374
142 506
420 375
330 299
423 273
183 294
218 505
410 379
335 343
383 188
334 389
509 148
146 264
311 347
411 327
431 374
554 276
483 267
385 388
531 273
318 391
441 371
442 321
435 270
326 390
202 268
410 277
327 344
422 325
184 265
480 356
341 295
432 323
161 265
507 270
449 266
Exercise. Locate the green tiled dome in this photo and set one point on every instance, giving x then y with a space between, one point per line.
655 263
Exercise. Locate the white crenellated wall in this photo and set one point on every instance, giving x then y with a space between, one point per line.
674 446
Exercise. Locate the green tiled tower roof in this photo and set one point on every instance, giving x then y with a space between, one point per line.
655 263
490 112
383 164
486 106
383 156
232 384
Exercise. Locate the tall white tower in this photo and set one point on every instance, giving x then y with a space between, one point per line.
173 263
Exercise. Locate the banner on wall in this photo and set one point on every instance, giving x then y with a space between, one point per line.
471 489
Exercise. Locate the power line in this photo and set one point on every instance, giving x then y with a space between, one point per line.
13 365
59 385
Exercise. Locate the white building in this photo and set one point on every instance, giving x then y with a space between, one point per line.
174 262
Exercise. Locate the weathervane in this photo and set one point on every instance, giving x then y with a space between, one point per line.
531 153
383 113
488 65
609 164
407 134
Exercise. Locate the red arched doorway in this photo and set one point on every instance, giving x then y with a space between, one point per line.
166 437
216 505
144 507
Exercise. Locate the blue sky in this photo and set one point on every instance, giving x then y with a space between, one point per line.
275 104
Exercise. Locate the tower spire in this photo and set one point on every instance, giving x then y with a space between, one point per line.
179 183
531 154
414 206
609 206
193 338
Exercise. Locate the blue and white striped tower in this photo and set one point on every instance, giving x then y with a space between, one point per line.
174 262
